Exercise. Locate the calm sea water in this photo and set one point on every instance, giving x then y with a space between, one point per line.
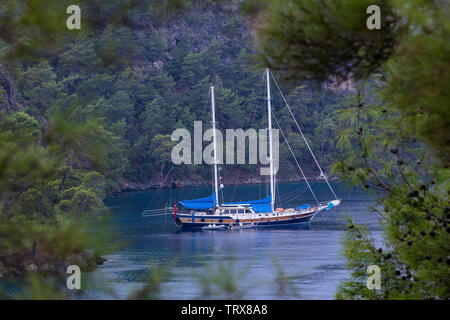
284 263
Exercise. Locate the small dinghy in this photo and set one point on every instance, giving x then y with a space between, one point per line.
242 226
214 227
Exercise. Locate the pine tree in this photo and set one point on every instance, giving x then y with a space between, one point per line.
390 144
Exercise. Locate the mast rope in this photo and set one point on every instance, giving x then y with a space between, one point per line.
159 189
259 93
296 195
293 191
304 138
298 165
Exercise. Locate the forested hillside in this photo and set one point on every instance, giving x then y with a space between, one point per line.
86 113
138 81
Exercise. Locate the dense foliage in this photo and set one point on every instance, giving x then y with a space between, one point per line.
83 112
393 134
142 79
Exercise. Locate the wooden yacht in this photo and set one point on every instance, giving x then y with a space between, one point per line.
208 214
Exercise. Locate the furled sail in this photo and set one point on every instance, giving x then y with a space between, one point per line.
201 203
261 205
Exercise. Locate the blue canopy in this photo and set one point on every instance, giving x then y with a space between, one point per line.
202 203
261 205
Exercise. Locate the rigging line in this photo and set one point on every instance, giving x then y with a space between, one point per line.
301 187
298 165
277 191
162 183
292 199
293 195
259 188
171 194
155 215
297 192
261 88
155 210
159 189
171 189
181 195
304 138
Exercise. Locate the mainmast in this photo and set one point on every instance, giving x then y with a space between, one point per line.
213 111
269 126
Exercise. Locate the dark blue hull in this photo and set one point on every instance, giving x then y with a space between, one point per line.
282 223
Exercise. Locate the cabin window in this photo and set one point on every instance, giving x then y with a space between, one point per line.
241 210
233 211
226 211
248 211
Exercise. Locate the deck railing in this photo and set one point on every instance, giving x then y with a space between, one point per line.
157 212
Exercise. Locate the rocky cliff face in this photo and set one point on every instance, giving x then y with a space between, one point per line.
202 23
336 84
8 94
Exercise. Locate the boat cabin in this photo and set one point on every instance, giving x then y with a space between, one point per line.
234 209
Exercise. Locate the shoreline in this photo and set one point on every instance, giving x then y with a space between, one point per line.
130 186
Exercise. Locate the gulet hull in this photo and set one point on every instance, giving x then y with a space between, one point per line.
192 222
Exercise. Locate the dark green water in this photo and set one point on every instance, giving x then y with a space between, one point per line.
295 263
